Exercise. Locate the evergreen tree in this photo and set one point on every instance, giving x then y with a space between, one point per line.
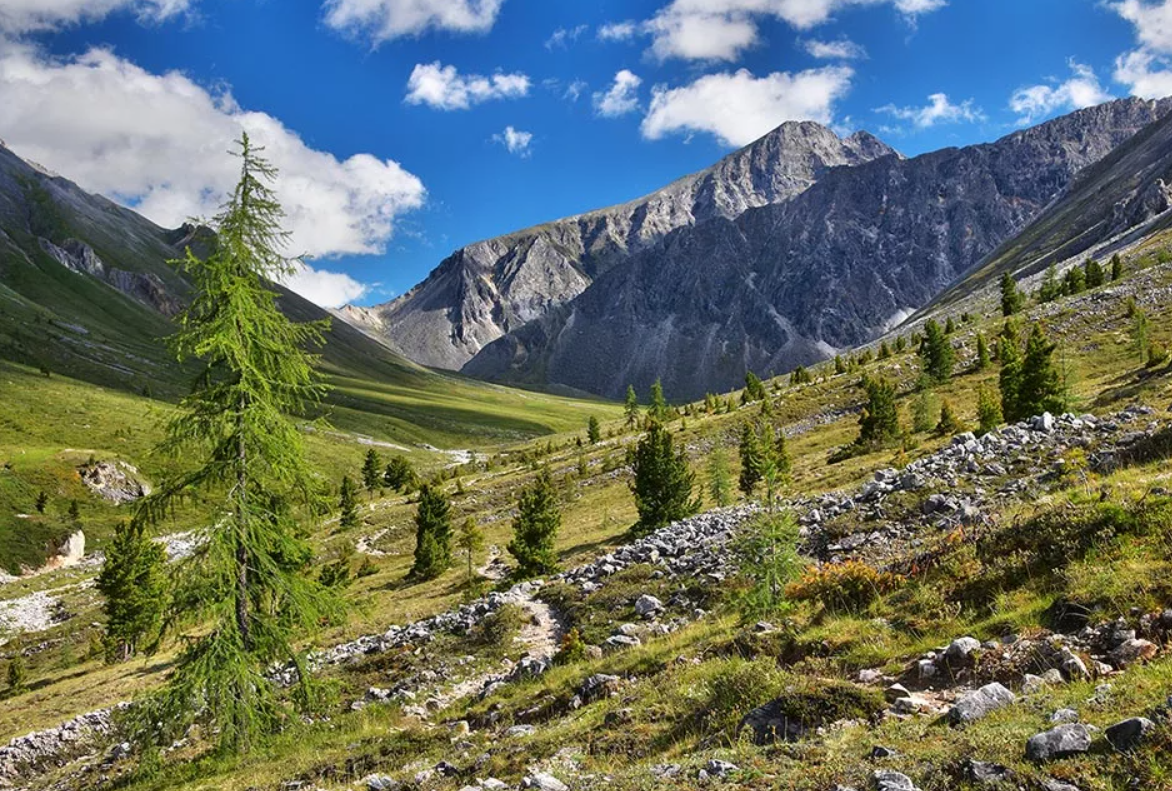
42 502
839 365
949 423
800 376
17 675
1012 299
74 512
924 412
245 588
752 460
593 430
1140 337
988 411
884 351
900 344
879 423
470 540
663 483
348 503
767 556
1041 384
134 583
1094 273
937 353
433 532
719 477
1050 289
658 410
1010 378
372 470
754 389
1075 281
535 528
949 326
1116 267
983 360
400 474
632 407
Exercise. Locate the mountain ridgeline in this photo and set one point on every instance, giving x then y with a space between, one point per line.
793 248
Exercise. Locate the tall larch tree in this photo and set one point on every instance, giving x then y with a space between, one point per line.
631 410
433 533
535 528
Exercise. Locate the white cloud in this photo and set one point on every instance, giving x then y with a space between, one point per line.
563 37
575 90
444 88
328 289
842 49
621 98
1034 102
383 20
159 143
723 29
738 108
939 110
618 31
22 16
1146 71
515 141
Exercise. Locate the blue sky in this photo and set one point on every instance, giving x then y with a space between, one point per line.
407 128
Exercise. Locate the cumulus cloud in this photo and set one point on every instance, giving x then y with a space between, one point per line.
618 31
23 16
563 37
383 20
515 141
841 49
328 289
1081 90
444 88
724 29
1147 70
738 107
158 143
621 98
939 110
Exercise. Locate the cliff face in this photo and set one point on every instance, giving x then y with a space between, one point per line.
490 288
789 283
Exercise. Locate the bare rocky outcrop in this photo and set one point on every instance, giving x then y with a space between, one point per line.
116 481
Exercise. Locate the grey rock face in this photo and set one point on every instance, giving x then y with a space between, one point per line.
790 283
1058 742
490 288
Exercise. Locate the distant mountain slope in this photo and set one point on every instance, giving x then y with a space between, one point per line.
790 283
492 287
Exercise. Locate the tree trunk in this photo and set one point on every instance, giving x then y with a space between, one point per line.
242 622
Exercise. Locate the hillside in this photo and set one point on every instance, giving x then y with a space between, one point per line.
832 268
490 288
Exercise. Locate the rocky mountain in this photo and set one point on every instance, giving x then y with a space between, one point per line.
790 283
490 288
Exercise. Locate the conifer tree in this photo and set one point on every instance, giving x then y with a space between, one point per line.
988 411
949 423
1140 338
937 353
17 675
74 513
752 459
469 540
1116 267
983 360
719 477
949 326
134 583
593 430
632 407
348 503
658 410
879 423
1041 383
839 365
400 474
800 376
535 528
246 588
433 533
1050 289
754 388
1075 281
1009 380
884 351
372 470
924 412
663 483
900 344
1012 299
1094 273
42 502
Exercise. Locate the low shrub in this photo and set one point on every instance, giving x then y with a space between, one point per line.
847 587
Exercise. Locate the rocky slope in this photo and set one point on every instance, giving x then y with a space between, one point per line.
495 286
829 269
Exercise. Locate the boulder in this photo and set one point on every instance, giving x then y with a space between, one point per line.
647 605
544 781
1133 651
979 703
887 780
1130 733
1060 742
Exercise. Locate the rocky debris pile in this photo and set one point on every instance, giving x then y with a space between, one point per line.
33 613
42 750
1011 460
116 481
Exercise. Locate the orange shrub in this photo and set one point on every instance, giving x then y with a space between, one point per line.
848 586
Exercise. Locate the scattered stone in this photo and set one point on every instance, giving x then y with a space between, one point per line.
718 768
648 605
1064 715
1129 734
1060 742
988 773
887 780
979 703
543 781
1133 651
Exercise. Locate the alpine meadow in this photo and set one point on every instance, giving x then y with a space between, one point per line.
478 395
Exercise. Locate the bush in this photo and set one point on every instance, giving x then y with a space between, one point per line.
498 629
847 587
1157 355
572 649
